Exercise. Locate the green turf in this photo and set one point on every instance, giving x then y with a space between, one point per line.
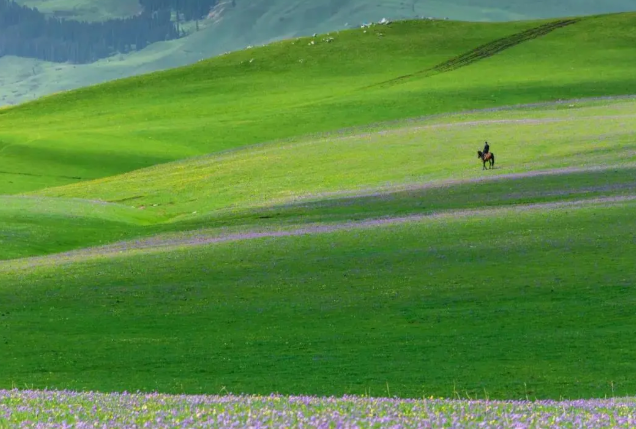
419 153
253 22
28 232
512 282
406 168
33 226
229 102
537 303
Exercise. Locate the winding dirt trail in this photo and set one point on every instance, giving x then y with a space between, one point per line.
164 243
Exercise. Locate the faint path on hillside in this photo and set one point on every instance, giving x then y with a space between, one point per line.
485 51
169 242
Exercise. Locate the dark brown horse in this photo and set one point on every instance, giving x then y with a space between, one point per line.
488 157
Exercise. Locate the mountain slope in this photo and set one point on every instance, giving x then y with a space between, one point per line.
405 169
294 87
252 177
85 10
255 22
357 261
315 11
496 303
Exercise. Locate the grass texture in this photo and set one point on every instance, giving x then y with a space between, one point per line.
513 302
419 167
265 232
253 22
293 88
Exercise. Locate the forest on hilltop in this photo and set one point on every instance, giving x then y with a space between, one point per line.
27 32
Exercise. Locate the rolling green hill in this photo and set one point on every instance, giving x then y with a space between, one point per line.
524 302
311 218
293 88
254 22
238 189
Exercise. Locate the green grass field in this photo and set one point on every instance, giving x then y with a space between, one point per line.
229 102
324 227
412 168
253 22
516 303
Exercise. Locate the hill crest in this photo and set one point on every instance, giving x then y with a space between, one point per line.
267 21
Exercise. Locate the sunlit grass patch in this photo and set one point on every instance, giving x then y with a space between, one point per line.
291 88
544 153
381 160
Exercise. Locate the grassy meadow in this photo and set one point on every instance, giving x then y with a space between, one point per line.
516 302
260 224
415 167
250 22
293 88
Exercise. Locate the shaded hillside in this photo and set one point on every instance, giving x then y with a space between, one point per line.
476 285
349 256
305 86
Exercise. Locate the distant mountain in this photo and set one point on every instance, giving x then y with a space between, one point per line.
236 24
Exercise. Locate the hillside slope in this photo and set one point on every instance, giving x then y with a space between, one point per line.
85 10
314 12
382 161
530 301
415 168
293 88
255 22
349 264
320 11
349 255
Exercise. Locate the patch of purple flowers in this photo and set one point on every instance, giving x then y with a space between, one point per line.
62 409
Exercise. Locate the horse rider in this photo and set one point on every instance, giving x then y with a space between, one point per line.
486 150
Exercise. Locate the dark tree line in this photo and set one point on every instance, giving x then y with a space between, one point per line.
189 9
26 32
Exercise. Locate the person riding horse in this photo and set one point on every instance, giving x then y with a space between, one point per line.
486 156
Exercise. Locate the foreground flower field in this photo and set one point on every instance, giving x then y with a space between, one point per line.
53 409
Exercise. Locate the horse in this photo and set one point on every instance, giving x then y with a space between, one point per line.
489 157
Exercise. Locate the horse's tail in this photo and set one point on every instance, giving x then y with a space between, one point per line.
493 159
